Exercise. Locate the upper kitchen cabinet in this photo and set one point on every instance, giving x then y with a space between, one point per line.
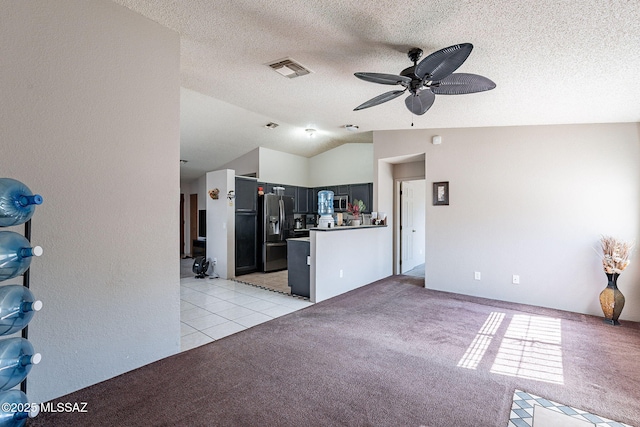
246 194
362 192
302 200
342 190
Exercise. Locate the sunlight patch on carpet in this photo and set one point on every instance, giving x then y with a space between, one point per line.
525 405
531 348
478 347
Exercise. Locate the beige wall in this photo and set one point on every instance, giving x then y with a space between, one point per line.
530 200
347 164
221 222
90 119
283 168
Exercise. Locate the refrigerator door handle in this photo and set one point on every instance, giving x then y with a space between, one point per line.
281 209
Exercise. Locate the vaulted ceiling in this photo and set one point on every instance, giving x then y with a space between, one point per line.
553 62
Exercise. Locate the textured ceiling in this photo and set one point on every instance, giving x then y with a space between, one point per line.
553 62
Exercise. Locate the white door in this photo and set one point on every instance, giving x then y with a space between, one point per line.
412 217
407 226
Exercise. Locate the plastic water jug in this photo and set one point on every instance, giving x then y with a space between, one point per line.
15 254
16 359
325 202
17 202
15 408
17 307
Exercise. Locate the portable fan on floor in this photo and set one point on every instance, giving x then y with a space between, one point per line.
200 267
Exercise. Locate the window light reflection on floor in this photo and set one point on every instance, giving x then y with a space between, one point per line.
480 343
531 348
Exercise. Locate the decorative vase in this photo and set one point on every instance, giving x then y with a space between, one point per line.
355 222
612 300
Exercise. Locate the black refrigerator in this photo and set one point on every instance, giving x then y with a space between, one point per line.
275 219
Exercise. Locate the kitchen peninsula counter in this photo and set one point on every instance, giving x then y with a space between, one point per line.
345 258
346 227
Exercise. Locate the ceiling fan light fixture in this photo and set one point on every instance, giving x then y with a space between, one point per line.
352 128
271 125
182 162
311 133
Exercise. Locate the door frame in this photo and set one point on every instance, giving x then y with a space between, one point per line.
193 220
397 213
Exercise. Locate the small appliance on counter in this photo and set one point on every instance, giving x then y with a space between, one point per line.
325 209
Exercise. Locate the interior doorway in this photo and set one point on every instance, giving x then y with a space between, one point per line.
412 203
193 221
182 225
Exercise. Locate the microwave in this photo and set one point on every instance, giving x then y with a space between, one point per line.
340 203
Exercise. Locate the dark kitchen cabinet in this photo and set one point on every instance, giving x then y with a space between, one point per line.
299 279
292 190
302 200
246 229
246 194
246 242
362 192
314 199
342 190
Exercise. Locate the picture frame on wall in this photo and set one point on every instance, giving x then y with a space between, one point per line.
441 193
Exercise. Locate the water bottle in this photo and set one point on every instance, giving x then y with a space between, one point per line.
17 202
325 202
17 307
15 254
15 408
16 359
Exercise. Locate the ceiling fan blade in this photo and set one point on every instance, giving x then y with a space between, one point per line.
462 83
387 96
419 103
384 79
440 64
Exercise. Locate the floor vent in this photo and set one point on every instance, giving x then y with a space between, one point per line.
289 68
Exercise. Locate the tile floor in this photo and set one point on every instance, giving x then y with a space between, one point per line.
522 410
211 309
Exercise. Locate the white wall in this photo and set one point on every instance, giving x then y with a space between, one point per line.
283 168
221 222
347 164
247 164
531 201
90 119
354 252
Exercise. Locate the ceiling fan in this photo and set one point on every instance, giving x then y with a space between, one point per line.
432 76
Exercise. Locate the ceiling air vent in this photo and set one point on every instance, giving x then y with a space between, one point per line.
289 68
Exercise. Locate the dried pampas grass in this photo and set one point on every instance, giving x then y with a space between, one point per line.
615 254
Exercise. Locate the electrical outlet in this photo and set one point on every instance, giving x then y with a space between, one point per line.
215 261
516 279
477 275
340 272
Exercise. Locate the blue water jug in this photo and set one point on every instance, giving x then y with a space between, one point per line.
17 202
17 307
16 359
325 202
15 408
15 254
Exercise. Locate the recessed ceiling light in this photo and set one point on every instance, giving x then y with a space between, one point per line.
352 128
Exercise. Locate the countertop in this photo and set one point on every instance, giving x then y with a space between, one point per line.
299 239
346 227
